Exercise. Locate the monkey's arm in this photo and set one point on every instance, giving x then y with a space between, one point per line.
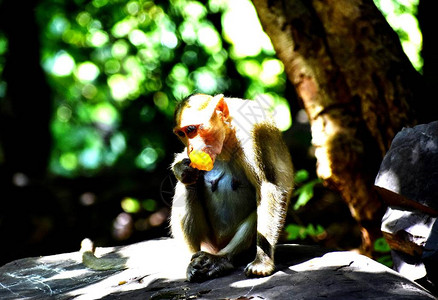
187 217
182 170
187 220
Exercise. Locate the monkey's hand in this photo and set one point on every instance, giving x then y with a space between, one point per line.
262 265
205 266
185 173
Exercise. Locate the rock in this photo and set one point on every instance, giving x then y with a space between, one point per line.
156 270
408 182
410 167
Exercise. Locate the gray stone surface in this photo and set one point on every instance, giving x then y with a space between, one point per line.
156 270
410 169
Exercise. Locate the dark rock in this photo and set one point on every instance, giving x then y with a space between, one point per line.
410 168
408 182
156 270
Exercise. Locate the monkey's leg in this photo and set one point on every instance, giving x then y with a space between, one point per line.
274 200
204 265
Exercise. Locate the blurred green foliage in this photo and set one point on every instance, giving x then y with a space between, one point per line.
401 15
296 232
114 65
304 191
104 57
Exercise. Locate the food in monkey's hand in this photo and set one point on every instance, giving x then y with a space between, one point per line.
200 160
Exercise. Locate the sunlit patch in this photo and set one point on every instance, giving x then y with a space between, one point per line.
87 71
169 39
120 86
62 64
104 113
68 274
271 69
206 81
282 116
209 38
188 32
249 282
120 49
98 38
246 34
249 67
194 10
137 37
401 16
124 27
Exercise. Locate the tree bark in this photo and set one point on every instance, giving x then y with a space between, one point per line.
356 86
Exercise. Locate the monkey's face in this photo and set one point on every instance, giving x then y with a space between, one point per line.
202 131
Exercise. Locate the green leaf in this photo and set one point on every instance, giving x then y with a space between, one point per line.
380 245
301 176
386 260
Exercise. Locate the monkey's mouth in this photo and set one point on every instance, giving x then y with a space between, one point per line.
201 160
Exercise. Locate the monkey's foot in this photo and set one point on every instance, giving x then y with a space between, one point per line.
205 266
262 265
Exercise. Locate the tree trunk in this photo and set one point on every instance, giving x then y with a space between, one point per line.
356 86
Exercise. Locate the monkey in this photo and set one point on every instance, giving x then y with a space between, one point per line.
234 183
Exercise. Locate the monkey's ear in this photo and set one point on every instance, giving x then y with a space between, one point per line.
221 105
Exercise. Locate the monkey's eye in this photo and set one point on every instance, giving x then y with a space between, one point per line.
191 130
180 133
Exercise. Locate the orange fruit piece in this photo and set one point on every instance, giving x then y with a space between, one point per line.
200 160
